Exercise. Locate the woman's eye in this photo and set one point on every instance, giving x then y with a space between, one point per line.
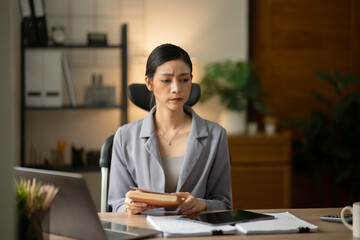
185 79
165 80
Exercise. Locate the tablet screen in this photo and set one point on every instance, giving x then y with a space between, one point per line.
228 217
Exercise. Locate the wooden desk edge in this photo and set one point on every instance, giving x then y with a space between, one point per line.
326 230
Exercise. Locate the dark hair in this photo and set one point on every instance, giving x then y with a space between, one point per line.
165 53
160 55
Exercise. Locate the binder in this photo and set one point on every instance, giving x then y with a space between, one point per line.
40 21
52 78
34 78
28 27
43 78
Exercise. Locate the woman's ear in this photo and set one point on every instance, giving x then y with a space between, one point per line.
148 83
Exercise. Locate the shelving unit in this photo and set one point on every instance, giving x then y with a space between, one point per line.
123 106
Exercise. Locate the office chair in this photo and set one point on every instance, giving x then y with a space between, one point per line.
140 96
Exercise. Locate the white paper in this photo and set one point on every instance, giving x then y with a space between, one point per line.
173 226
283 223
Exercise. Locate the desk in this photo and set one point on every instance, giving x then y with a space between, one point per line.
326 231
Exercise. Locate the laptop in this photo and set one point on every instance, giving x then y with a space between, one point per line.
73 213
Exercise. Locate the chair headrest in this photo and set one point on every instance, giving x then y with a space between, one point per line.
140 95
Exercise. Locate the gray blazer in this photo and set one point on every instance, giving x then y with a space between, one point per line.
205 172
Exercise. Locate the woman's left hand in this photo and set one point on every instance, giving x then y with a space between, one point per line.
191 204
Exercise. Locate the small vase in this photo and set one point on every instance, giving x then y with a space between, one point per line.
270 125
33 228
233 121
252 128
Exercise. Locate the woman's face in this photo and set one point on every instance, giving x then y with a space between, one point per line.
171 84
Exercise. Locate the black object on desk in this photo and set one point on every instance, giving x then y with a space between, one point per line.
228 217
336 217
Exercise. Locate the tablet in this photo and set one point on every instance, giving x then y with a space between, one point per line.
228 217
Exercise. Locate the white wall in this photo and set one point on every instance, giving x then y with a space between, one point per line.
210 30
8 120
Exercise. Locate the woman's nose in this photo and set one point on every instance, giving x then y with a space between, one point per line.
175 87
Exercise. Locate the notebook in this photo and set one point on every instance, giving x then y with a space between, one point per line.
175 226
284 222
73 213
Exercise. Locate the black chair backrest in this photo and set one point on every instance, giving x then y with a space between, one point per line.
105 152
140 95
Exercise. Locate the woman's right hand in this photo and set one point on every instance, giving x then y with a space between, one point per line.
135 207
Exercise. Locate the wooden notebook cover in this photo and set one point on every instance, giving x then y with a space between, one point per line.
154 198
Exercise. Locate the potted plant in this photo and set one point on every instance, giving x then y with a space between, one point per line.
329 143
33 203
237 87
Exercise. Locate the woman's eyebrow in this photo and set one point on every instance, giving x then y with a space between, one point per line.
185 73
171 74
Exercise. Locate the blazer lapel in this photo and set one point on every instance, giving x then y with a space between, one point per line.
157 181
195 146
148 132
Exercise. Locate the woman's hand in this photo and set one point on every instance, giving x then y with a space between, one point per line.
191 204
135 207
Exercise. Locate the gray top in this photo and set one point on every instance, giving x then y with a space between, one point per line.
172 167
205 172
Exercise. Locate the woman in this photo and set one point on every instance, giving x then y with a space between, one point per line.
172 149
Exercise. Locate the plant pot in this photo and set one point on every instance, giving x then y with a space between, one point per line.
233 121
34 228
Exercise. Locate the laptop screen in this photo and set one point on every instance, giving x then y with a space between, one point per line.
73 213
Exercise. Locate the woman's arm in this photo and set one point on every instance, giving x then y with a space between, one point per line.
120 178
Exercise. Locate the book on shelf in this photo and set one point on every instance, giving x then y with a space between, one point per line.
38 12
154 198
68 80
28 22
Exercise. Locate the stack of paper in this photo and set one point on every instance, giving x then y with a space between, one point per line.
173 226
283 223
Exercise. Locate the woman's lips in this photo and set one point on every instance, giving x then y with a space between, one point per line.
176 99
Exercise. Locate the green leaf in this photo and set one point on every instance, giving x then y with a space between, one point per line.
326 77
321 98
349 79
